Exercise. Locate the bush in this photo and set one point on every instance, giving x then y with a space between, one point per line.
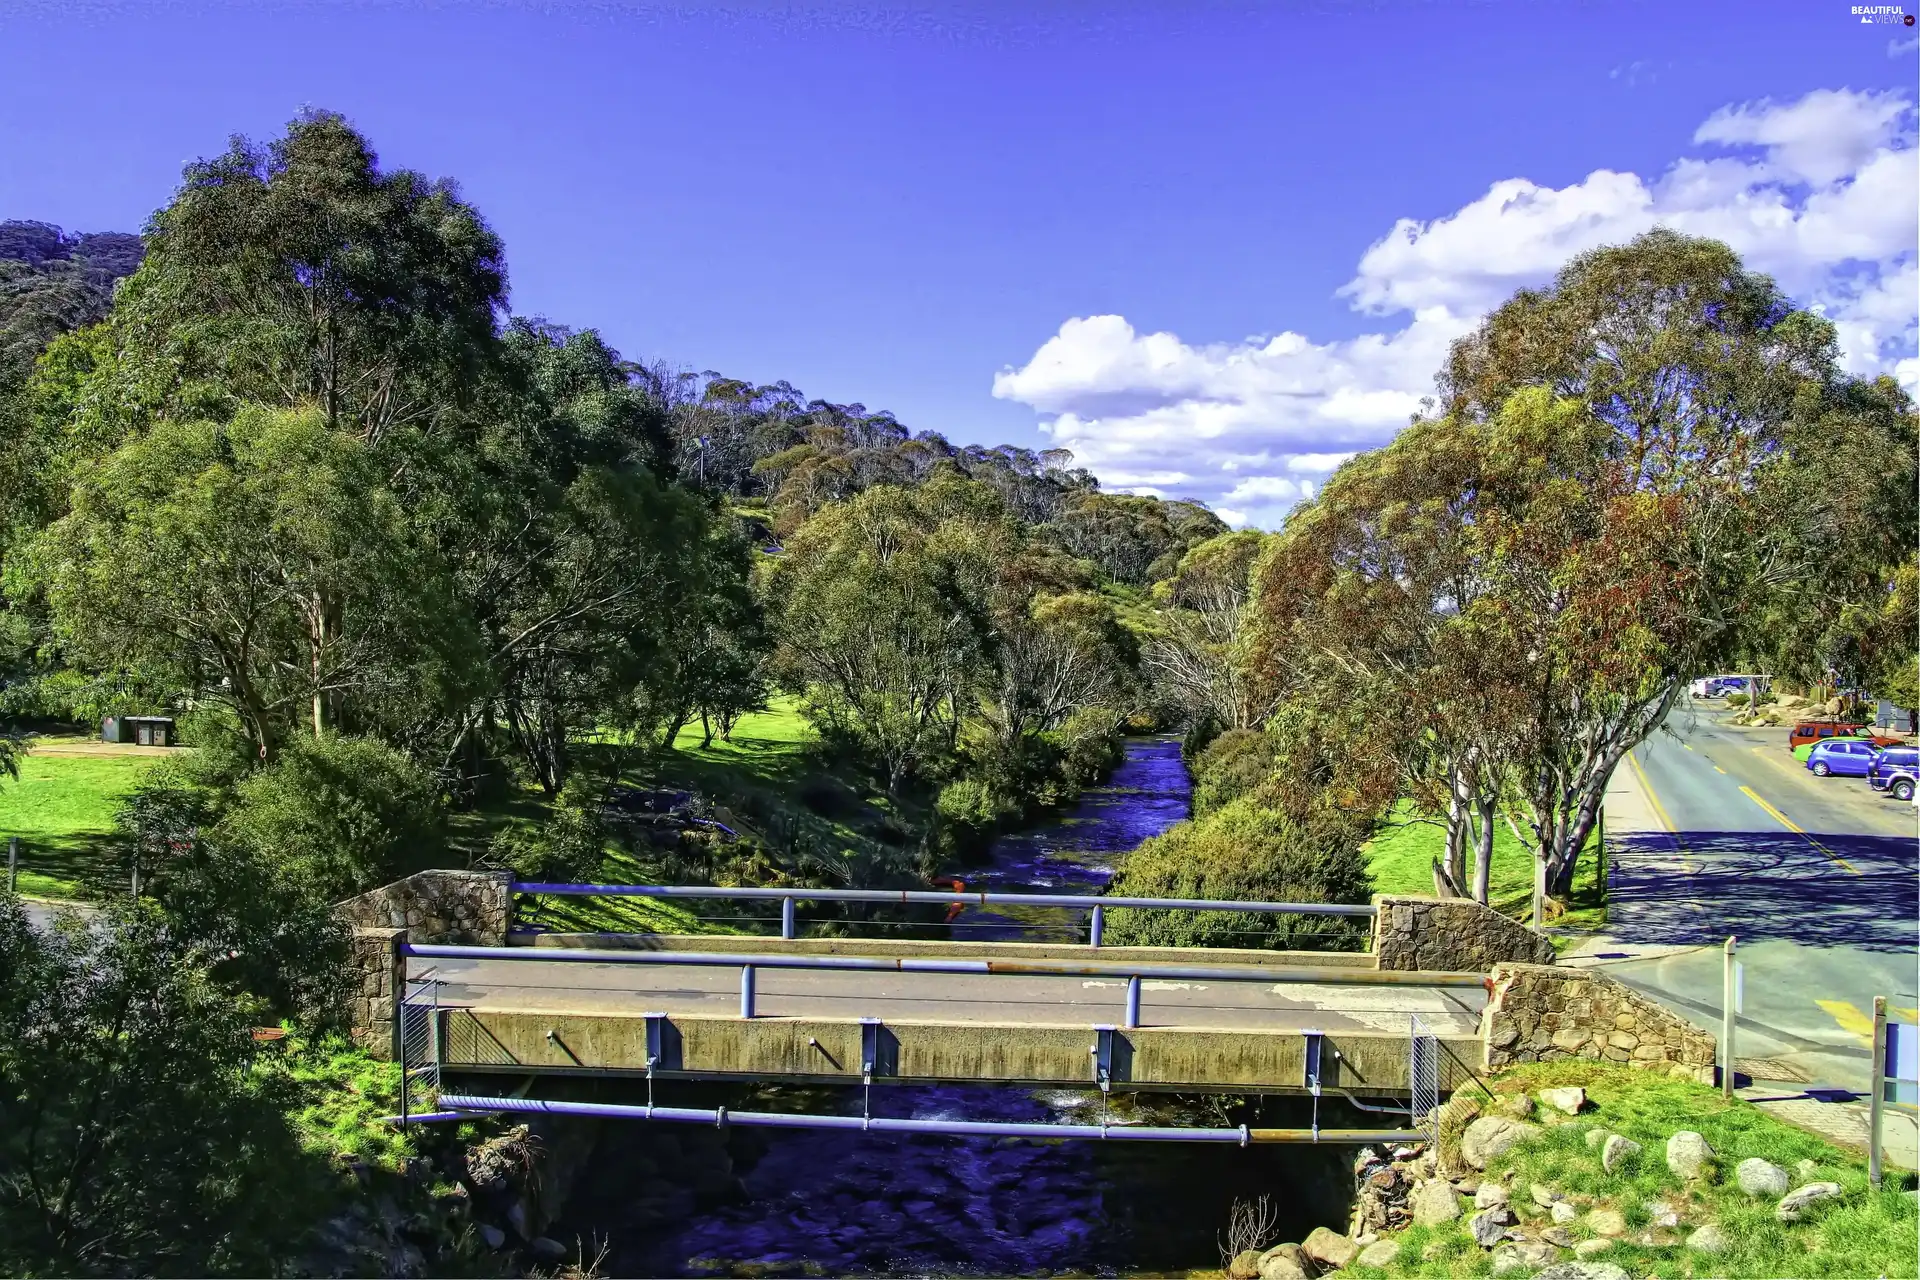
346 814
969 810
1246 852
1232 765
567 848
1091 744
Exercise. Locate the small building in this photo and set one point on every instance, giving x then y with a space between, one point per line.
145 731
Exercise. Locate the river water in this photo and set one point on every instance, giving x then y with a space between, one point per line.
836 1203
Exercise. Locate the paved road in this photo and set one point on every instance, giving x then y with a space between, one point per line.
924 997
1815 877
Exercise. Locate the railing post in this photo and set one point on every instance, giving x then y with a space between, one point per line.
786 918
1097 927
746 991
1726 1022
1133 1002
13 863
1877 1082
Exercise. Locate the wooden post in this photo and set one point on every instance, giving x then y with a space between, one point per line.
1877 1082
1726 1024
1539 891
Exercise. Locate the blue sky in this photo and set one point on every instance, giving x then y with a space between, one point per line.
1100 204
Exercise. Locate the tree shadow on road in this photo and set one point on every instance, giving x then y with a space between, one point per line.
1760 885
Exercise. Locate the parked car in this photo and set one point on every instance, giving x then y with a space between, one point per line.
1848 757
1896 769
1809 731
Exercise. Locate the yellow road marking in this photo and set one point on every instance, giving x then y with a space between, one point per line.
1718 769
1908 1014
1851 1020
1687 745
1798 830
1660 812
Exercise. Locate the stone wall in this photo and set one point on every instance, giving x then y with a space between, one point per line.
1543 1014
467 907
1450 935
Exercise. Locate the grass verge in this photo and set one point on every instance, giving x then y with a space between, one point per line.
61 808
1400 858
1862 1233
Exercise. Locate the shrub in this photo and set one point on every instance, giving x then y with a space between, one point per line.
1247 852
346 814
969 810
1091 744
566 848
1232 766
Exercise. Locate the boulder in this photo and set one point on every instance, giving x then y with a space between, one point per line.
1489 1226
1709 1239
1688 1156
1568 1100
1616 1151
1275 1265
1329 1248
1490 1195
1368 1157
547 1249
1582 1271
1558 1237
492 1236
1795 1204
1543 1195
1381 1253
1435 1202
1517 1105
1805 1169
1596 1135
1662 1214
1563 1212
1245 1265
1288 1255
1588 1248
1607 1222
1761 1179
1490 1137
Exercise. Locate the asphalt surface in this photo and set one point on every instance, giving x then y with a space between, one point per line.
1815 878
1008 999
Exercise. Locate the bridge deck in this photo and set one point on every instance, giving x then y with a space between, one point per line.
1000 1027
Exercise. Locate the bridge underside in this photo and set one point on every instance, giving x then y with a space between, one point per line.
830 1050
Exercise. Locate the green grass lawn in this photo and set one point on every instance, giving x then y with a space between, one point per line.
1401 859
62 808
1863 1233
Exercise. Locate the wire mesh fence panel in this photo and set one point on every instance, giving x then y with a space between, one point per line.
420 1045
1423 1076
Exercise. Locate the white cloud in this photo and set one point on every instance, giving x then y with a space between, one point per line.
1822 192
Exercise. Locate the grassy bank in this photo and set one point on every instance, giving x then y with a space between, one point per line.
1862 1232
61 808
1400 858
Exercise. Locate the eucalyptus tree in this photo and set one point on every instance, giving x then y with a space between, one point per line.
1197 653
1597 515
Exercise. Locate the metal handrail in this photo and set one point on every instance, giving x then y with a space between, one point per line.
914 964
946 896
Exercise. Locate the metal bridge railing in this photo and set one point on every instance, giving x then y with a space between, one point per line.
1134 974
419 1018
1096 904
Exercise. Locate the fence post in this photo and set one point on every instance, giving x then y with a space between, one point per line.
1133 1002
1726 1021
746 991
786 918
13 863
1877 1082
1097 927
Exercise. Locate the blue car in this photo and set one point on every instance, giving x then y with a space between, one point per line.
1843 756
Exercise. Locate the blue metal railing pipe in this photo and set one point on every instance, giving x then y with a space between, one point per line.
1095 901
953 1128
914 964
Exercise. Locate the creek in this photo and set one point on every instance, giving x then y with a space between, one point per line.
780 1202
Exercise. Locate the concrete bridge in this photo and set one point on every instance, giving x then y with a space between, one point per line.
1445 990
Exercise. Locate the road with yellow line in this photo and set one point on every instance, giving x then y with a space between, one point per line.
1815 877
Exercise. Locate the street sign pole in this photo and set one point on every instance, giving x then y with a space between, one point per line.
1877 1106
1726 1023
